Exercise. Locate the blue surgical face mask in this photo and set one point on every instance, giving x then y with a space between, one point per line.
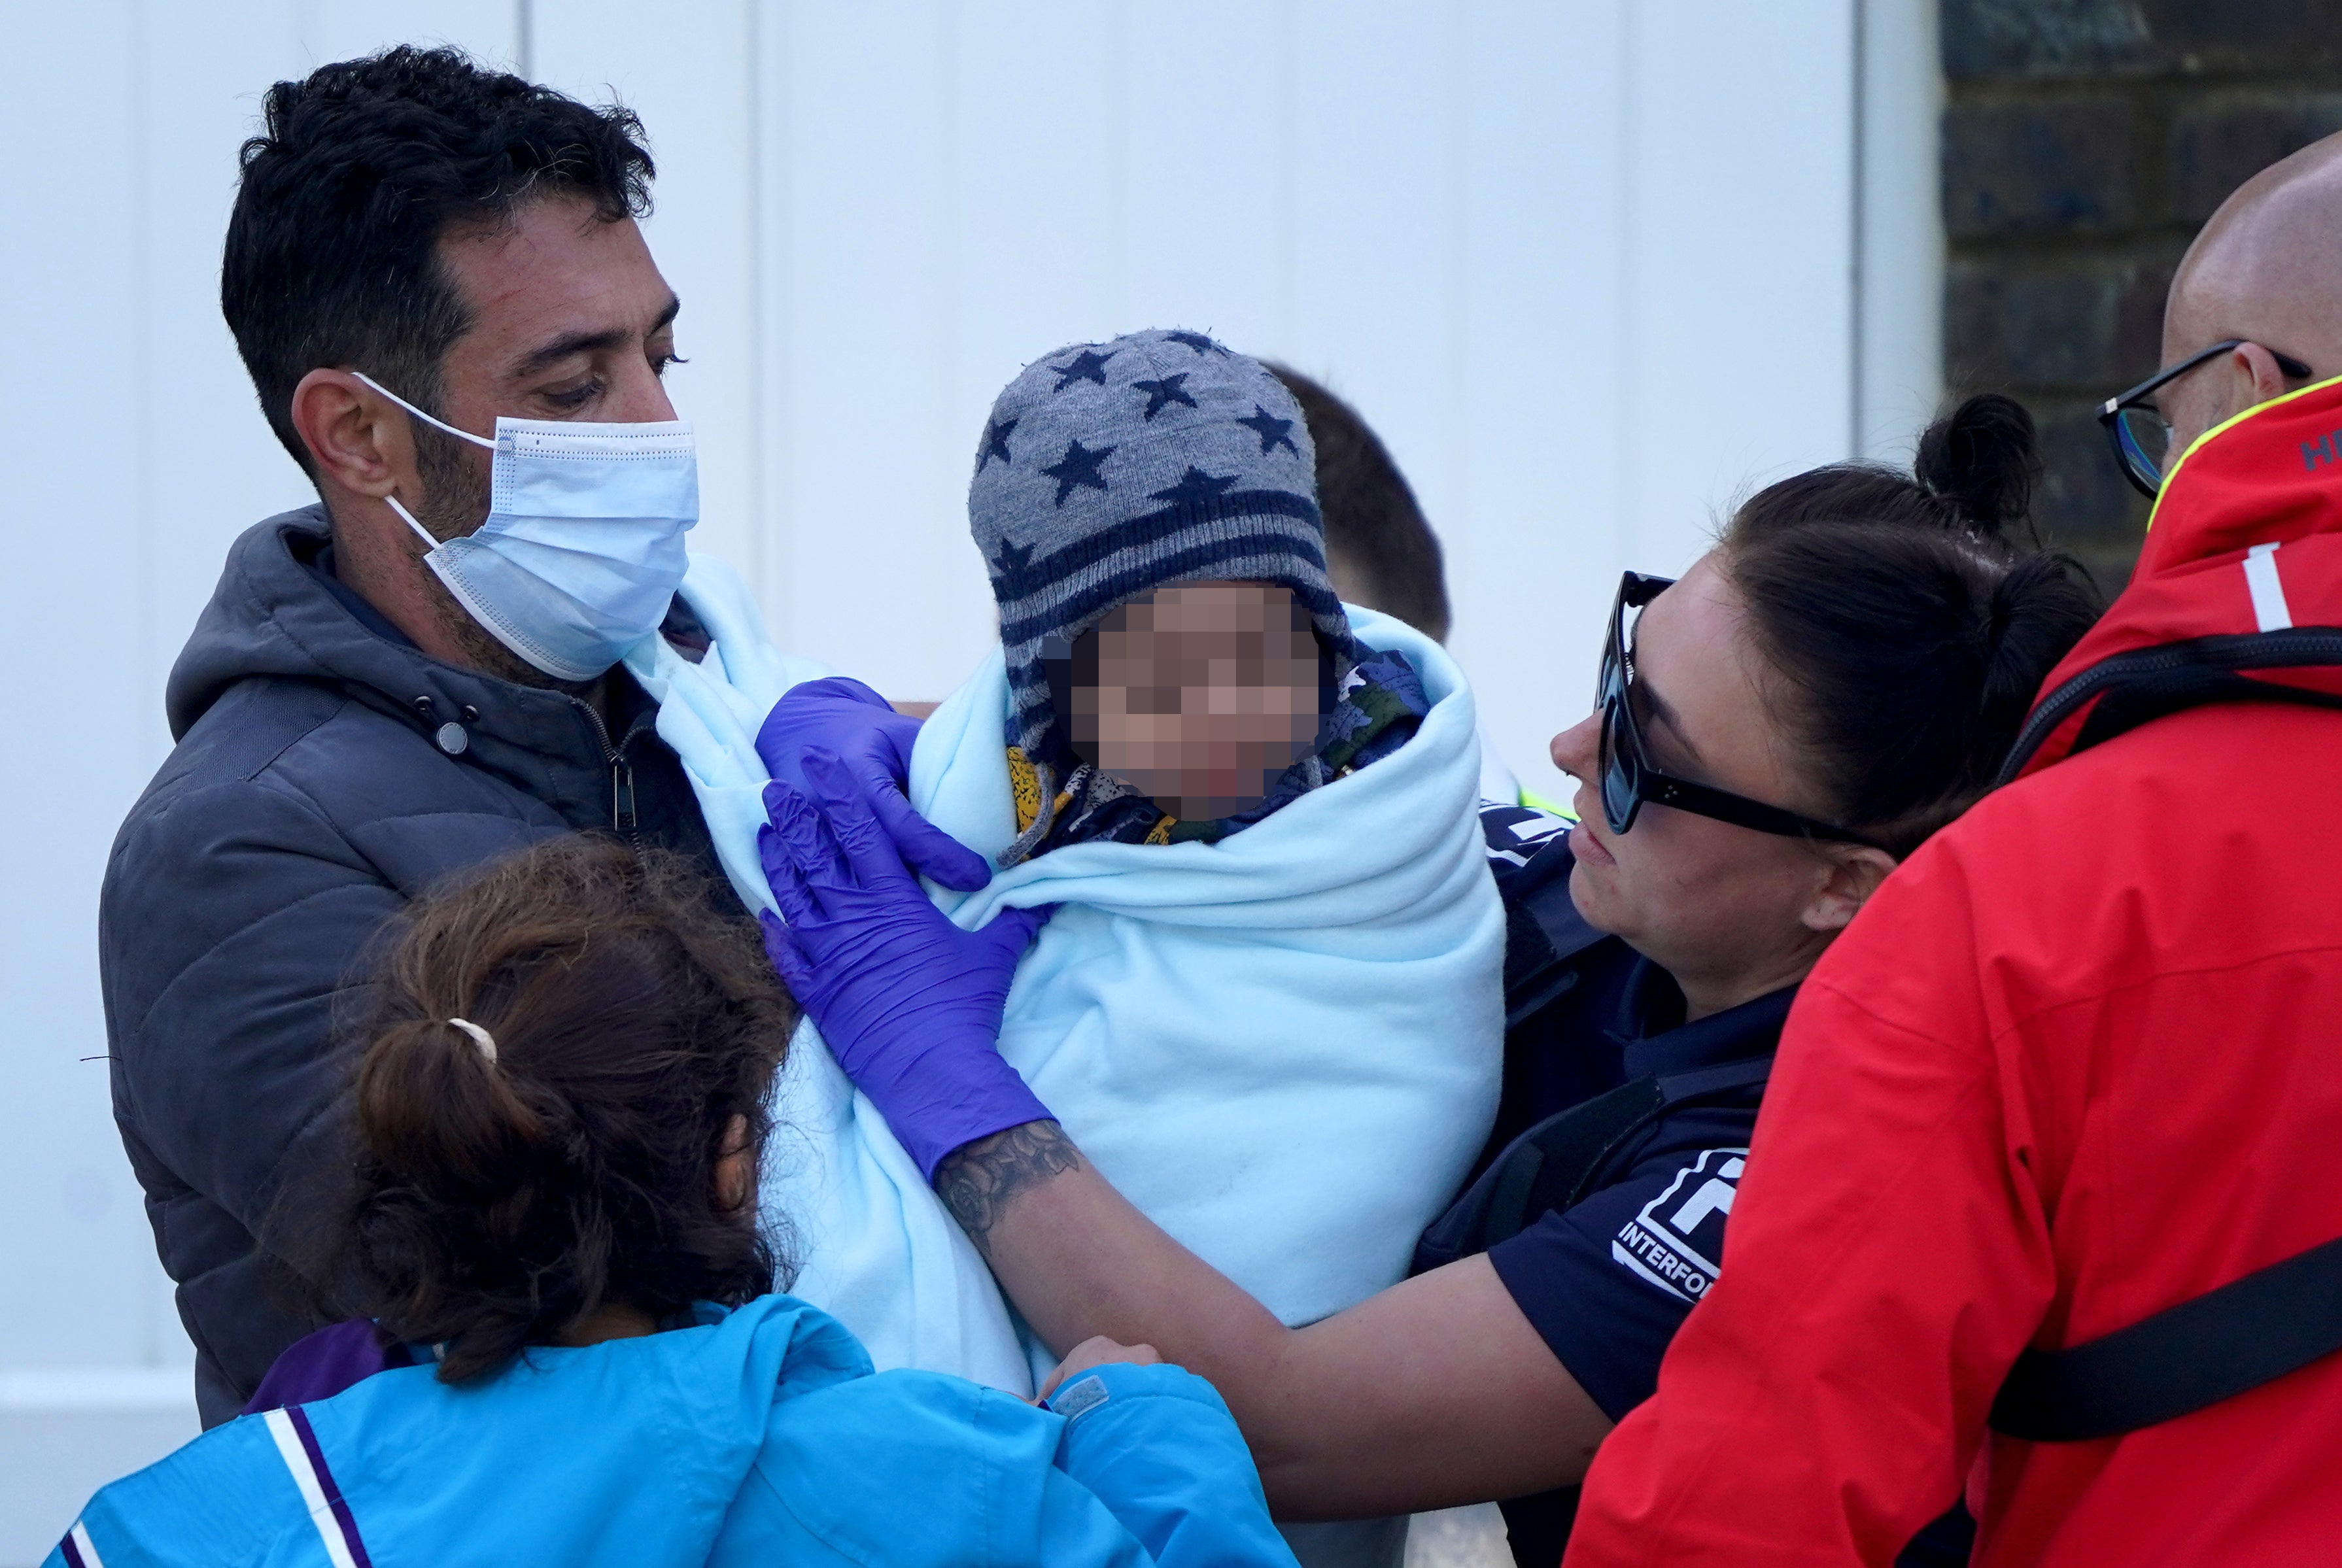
583 548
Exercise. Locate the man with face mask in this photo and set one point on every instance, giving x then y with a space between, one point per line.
435 277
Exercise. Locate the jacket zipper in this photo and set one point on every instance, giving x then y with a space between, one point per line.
623 818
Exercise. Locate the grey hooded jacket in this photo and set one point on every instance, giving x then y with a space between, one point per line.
327 771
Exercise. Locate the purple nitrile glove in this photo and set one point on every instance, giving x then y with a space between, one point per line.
857 725
909 1003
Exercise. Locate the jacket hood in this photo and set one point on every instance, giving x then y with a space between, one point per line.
2245 543
632 1451
271 617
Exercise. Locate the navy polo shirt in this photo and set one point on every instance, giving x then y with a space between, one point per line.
1607 1281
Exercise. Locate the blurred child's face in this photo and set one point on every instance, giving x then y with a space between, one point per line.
1199 695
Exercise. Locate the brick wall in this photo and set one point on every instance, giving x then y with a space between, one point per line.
2085 141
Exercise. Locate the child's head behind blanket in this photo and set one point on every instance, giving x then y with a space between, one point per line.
1107 474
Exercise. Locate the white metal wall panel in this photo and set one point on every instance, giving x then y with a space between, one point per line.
1540 469
1624 235
73 444
1740 257
865 457
692 87
1589 266
1899 249
134 455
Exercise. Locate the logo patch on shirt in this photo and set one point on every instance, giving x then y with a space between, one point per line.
1678 1240
1515 833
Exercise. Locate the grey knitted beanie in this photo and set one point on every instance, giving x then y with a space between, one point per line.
1108 470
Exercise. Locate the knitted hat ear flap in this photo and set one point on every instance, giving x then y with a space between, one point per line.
1054 746
1108 470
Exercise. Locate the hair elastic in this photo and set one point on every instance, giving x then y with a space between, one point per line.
480 1037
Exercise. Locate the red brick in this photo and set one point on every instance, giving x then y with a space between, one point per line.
2064 166
2219 142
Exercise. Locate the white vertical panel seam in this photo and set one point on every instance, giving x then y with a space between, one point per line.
1288 190
1458 48
752 54
950 296
1857 164
1899 378
1626 524
777 287
1119 72
143 283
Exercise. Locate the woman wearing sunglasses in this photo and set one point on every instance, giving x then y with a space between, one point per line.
1835 680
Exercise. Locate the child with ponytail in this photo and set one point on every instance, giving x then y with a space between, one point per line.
566 1347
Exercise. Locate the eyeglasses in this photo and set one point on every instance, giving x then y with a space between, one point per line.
2141 437
1629 781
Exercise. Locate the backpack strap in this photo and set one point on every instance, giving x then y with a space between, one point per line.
2275 1320
2152 697
2211 1347
2129 689
1552 1166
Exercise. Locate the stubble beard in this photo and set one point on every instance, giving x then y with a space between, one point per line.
457 481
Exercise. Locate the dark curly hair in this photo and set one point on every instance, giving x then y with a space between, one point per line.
332 255
497 1201
1379 546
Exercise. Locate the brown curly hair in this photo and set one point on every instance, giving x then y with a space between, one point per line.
497 1201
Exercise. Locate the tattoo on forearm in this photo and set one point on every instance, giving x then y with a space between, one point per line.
978 1183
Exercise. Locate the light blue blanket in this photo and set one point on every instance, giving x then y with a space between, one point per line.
710 712
1284 1047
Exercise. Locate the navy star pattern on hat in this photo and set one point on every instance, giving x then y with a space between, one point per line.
1079 466
1011 558
1195 486
996 444
1272 431
1087 366
1166 391
1150 474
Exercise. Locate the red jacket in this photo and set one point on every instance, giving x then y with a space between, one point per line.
2078 1060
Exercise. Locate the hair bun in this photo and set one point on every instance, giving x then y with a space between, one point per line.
2035 615
1984 461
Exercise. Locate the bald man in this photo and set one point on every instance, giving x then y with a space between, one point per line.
2267 271
2078 1064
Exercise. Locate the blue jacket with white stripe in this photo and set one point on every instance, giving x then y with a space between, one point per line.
762 1438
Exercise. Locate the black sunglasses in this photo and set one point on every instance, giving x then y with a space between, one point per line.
2141 438
1629 781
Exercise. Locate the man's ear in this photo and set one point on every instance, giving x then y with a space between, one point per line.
2260 366
357 438
1855 870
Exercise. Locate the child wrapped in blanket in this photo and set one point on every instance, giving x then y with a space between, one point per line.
1268 1006
1180 666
